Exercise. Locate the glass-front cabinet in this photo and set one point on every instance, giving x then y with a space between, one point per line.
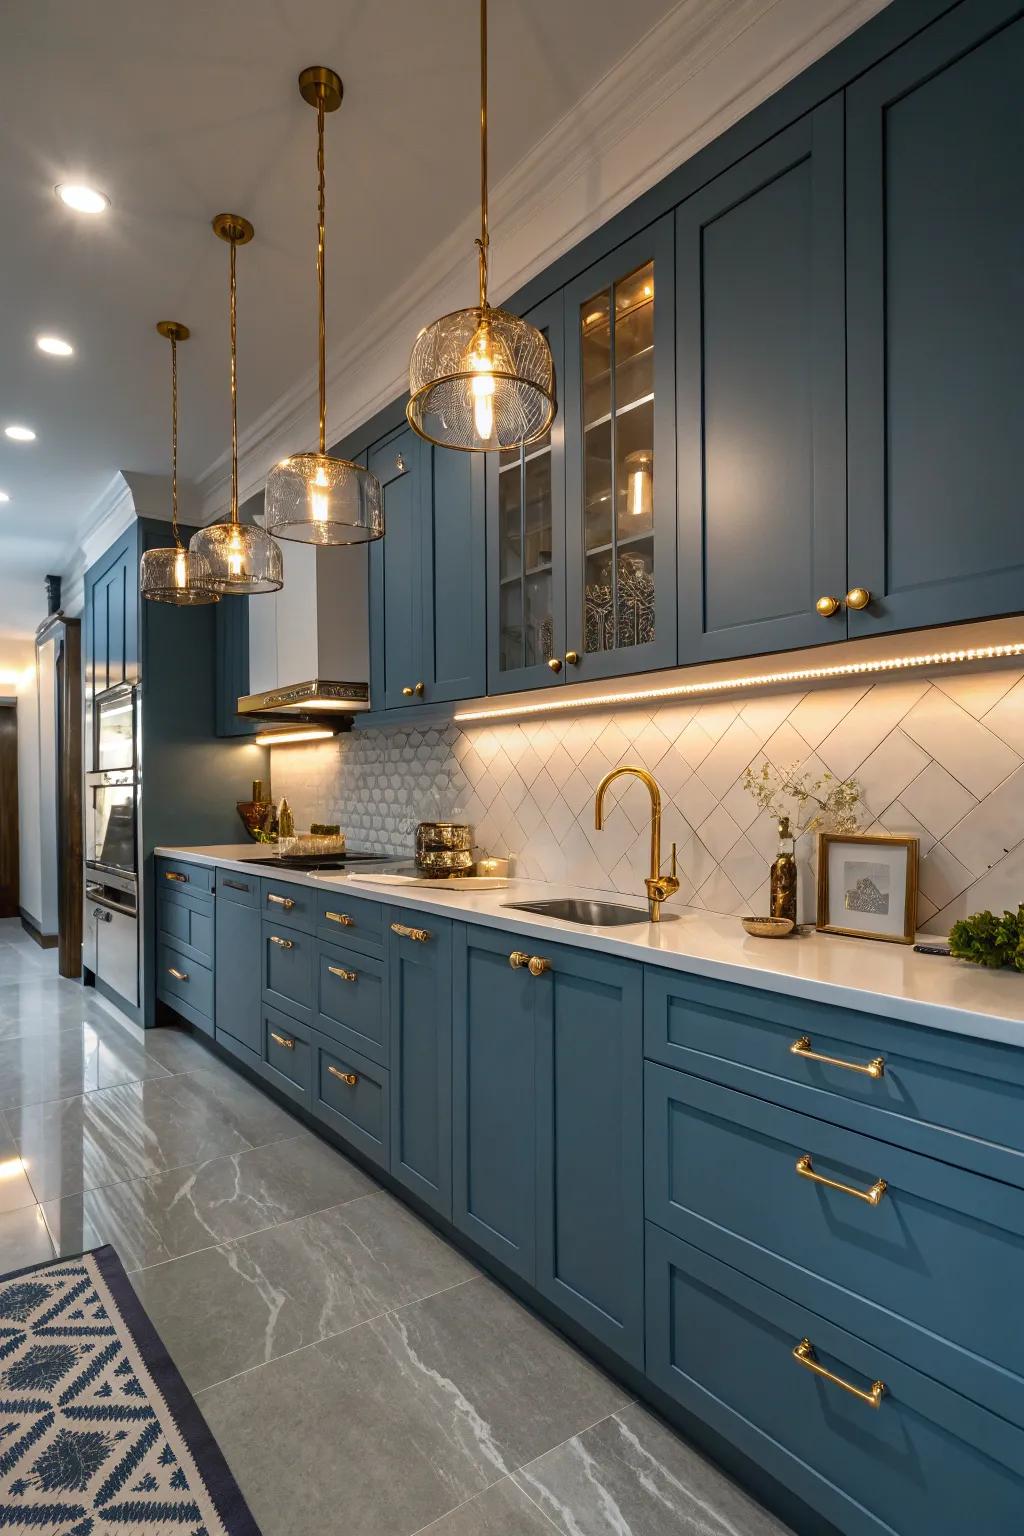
526 547
620 459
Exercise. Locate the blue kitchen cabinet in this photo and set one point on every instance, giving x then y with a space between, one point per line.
111 651
420 1006
396 600
526 573
935 301
231 625
548 1124
237 971
760 397
589 1123
618 405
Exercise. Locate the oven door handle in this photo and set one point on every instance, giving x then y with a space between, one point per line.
111 906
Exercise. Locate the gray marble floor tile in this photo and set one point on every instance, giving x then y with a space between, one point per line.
227 1309
181 1051
24 1239
501 1510
34 1069
500 1385
631 1476
219 1094
152 1220
15 1189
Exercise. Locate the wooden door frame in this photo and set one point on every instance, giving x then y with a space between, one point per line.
10 808
70 891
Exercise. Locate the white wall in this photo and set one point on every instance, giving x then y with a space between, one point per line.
18 685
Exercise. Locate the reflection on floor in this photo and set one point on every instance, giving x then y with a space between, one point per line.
359 1373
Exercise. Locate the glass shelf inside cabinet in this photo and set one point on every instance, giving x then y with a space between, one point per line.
526 613
617 352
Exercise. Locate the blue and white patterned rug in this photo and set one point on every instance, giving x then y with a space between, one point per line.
98 1432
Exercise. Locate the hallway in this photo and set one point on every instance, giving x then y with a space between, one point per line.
397 1390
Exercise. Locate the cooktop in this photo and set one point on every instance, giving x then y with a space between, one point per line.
308 863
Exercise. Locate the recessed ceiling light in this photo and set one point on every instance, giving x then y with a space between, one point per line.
20 434
55 346
82 199
4 496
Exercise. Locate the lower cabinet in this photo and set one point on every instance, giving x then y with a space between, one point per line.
237 974
351 1094
420 999
548 1123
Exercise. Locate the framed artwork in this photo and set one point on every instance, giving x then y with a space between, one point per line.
867 886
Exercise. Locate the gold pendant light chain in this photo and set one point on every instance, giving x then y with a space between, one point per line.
483 243
320 248
174 440
234 391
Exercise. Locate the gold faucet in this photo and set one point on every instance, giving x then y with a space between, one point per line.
659 887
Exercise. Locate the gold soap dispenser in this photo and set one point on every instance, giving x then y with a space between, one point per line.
783 876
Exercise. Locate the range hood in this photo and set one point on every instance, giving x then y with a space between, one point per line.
309 644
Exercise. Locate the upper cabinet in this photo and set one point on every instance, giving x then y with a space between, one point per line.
111 649
761 397
618 411
935 320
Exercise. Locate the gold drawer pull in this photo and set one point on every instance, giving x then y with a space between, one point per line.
873 1196
178 975
804 1355
874 1068
518 960
343 1077
282 943
405 932
339 970
538 965
281 901
172 874
289 1045
235 885
342 918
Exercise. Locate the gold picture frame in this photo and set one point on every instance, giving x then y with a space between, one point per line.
868 886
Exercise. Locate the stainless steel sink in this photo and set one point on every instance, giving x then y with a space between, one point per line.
597 914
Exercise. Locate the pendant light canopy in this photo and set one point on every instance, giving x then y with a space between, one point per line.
174 574
242 559
312 497
481 379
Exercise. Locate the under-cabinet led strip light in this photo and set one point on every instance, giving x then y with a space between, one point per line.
759 680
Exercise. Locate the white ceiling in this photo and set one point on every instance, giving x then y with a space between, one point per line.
181 109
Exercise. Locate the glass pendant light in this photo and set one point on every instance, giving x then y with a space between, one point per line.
312 497
481 379
174 574
242 559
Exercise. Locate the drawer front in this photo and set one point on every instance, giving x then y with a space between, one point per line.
926 1084
287 903
243 889
351 921
179 875
182 980
187 920
352 1000
350 1094
285 1054
289 969
938 1256
924 1460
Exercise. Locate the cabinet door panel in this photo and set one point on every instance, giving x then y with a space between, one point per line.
589 1145
620 471
935 234
526 545
397 647
237 971
453 537
761 344
419 981
493 1110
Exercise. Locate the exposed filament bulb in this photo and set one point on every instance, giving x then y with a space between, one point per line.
319 503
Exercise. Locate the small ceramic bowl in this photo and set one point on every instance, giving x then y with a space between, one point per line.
769 927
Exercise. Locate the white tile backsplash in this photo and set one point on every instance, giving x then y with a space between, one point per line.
942 759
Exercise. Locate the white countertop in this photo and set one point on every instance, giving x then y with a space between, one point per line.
873 977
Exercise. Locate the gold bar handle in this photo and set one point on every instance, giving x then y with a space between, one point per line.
872 1196
178 975
281 901
289 1045
282 943
339 970
343 1077
172 874
342 918
804 1355
874 1068
421 935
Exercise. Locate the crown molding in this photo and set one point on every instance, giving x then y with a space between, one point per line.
705 65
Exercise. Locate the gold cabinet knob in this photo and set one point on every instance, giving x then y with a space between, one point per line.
407 692
827 606
538 965
517 960
419 690
858 597
554 663
573 658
